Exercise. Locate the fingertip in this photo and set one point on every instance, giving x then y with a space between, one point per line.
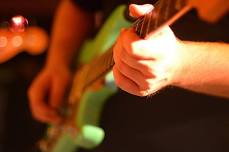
139 10
131 10
129 36
134 11
51 117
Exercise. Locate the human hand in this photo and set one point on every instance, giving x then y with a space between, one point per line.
47 92
144 66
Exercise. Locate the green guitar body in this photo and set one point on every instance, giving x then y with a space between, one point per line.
91 103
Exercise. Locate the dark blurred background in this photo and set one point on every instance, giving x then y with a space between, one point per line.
19 132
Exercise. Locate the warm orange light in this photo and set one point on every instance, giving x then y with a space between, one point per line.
18 23
3 41
17 41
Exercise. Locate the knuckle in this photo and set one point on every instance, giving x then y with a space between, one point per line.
133 49
136 48
121 67
116 77
148 71
117 80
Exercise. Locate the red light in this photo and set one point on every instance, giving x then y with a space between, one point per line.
18 23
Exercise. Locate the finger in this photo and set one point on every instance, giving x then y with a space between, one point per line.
122 59
161 33
139 48
157 85
124 83
139 10
117 49
57 92
144 66
134 75
42 113
126 39
40 110
153 48
120 55
48 117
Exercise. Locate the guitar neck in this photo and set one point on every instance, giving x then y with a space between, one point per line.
164 13
99 67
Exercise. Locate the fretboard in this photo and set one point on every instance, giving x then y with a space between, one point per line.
99 67
165 12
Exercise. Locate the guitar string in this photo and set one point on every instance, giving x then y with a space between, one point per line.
99 71
109 56
157 13
139 26
105 65
149 22
142 25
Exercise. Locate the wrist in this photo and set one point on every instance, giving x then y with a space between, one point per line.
57 57
184 64
195 64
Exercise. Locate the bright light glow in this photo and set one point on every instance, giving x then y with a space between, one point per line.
17 20
18 23
3 41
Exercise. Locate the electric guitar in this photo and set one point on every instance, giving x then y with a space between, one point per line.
34 40
85 103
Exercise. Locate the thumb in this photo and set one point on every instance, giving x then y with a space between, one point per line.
139 10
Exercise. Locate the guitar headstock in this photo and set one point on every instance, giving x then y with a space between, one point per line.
34 40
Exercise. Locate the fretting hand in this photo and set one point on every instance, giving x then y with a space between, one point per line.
143 66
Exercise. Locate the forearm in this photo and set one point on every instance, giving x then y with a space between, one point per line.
207 68
71 26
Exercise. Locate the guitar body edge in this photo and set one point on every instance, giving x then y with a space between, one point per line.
92 102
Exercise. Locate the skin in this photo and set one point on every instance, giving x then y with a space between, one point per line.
142 66
47 91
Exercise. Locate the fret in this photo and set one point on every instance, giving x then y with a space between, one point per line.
147 25
149 22
99 67
164 12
